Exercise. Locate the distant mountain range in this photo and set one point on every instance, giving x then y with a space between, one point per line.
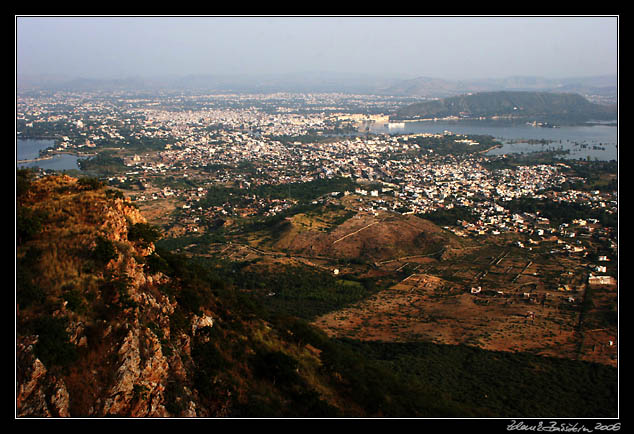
530 106
315 82
601 89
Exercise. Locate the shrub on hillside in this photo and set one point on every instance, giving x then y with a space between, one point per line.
143 232
104 250
53 347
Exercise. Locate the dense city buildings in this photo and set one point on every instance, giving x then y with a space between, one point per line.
179 146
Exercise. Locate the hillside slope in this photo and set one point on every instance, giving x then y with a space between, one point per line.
107 327
366 237
543 106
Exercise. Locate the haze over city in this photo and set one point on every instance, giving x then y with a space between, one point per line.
449 47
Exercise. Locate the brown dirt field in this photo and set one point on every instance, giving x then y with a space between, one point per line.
157 212
428 308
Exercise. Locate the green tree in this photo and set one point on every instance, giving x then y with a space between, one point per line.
104 250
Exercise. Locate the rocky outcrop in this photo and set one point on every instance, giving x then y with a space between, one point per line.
199 322
125 368
39 394
140 378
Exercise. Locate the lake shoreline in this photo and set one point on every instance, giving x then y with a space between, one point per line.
40 153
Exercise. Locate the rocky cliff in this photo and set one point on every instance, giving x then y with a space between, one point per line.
106 327
105 302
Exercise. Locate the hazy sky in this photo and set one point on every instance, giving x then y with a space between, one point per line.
423 46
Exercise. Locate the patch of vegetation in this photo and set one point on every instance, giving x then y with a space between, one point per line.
561 212
143 232
304 292
23 179
104 250
53 347
27 292
74 300
303 192
28 223
209 362
499 384
277 367
104 162
89 183
450 217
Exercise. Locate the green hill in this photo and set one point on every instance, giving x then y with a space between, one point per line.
539 106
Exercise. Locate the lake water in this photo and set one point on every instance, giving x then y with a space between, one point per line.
29 149
593 141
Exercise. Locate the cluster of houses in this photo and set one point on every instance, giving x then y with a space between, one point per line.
231 144
400 181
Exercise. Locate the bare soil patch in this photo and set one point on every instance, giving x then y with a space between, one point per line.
501 299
